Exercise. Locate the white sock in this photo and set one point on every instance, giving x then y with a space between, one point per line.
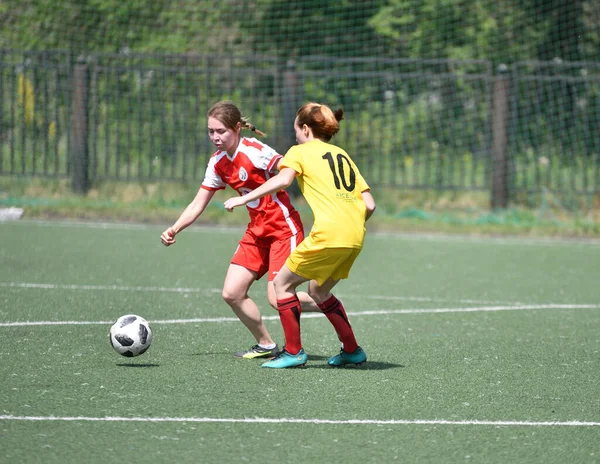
268 347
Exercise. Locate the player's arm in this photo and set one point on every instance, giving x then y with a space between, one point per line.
277 163
189 215
281 181
369 203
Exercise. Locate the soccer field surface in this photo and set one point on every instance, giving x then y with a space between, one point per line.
480 350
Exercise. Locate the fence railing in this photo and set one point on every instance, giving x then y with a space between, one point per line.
422 124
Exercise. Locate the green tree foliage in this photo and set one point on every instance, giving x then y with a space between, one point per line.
503 31
102 25
317 27
177 26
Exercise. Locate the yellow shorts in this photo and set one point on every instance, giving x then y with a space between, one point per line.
322 263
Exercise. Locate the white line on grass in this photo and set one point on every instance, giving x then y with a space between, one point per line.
126 226
124 288
485 239
380 312
422 298
108 287
473 310
264 420
417 236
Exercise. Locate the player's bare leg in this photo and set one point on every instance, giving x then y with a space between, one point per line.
235 293
306 301
309 305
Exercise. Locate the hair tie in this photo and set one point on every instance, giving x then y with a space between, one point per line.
252 128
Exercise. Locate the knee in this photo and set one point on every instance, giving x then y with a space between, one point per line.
231 296
318 294
272 301
277 284
281 288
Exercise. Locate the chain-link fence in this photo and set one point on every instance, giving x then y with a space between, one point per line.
410 123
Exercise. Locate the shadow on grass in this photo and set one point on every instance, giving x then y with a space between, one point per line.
369 365
138 365
319 364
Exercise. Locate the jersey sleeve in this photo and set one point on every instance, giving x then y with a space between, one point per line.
262 155
273 162
212 180
292 159
361 183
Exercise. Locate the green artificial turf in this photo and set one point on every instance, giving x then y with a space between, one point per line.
480 350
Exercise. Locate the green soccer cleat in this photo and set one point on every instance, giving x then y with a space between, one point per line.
286 359
357 358
258 352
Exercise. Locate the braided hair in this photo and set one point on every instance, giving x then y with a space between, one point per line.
229 114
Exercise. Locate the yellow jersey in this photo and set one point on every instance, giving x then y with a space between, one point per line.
332 186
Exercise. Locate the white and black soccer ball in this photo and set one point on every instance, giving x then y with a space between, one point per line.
130 335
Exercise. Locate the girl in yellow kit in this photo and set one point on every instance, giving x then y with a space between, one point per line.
341 203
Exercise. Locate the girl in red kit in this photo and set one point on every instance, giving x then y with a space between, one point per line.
275 228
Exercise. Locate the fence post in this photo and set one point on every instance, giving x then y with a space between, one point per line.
500 193
290 106
2 123
79 127
290 102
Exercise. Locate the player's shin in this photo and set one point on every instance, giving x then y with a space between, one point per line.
289 314
336 314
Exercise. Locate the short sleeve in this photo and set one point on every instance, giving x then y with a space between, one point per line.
263 156
293 159
212 180
361 183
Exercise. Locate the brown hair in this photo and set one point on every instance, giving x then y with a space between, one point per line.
323 122
229 114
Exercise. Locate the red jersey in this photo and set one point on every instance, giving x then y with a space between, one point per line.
272 216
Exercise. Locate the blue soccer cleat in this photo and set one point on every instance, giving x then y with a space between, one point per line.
286 359
344 358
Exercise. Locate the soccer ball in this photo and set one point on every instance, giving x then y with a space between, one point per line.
130 335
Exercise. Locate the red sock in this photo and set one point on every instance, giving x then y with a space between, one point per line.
289 314
335 312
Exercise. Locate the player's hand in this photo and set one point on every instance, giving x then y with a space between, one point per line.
233 203
168 237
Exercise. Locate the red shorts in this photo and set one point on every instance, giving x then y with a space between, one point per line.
262 255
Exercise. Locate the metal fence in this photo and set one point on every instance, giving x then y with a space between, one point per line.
423 124
555 128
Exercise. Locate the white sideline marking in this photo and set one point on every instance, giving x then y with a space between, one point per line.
109 287
166 321
128 226
416 236
473 310
264 420
123 288
422 298
313 315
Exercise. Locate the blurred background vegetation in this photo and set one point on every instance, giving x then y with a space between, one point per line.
421 83
503 31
